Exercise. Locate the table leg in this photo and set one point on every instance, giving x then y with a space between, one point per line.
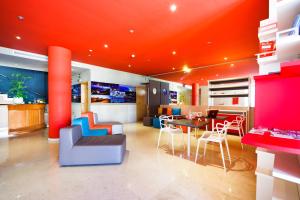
189 141
212 124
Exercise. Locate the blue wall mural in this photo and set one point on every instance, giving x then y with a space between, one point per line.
37 85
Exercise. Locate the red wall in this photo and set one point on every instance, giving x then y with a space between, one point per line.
277 102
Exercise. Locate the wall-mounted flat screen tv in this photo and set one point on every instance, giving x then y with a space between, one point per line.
112 93
173 97
76 93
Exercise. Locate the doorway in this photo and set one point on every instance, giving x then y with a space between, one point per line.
141 95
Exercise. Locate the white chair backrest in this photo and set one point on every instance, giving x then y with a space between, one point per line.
240 119
222 128
163 120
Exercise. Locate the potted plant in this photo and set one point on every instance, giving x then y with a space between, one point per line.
18 88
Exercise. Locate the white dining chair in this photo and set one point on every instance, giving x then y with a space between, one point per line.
237 125
217 136
169 129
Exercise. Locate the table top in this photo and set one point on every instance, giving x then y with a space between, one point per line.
218 117
189 123
273 143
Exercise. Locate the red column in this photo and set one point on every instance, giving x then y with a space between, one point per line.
59 89
195 94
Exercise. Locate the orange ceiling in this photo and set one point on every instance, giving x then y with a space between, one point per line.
201 75
202 32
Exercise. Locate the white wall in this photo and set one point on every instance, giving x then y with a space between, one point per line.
125 113
204 95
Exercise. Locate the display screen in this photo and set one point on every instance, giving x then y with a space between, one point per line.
112 93
76 93
173 97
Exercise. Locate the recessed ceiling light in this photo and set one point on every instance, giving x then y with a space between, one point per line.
173 68
132 55
217 74
225 58
131 30
202 79
209 42
89 55
90 50
186 69
20 17
129 65
18 37
231 65
173 7
105 45
173 52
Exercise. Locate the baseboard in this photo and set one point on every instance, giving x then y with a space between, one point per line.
53 140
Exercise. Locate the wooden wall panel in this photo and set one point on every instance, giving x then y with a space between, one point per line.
26 116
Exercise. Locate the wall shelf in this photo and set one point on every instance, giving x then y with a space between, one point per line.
226 96
223 91
282 14
229 88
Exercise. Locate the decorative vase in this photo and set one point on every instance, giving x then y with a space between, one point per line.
18 100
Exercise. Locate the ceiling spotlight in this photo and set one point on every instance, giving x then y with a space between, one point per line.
89 55
131 31
20 17
225 58
129 65
18 37
173 7
132 55
173 52
90 50
105 45
231 65
186 69
209 42
173 68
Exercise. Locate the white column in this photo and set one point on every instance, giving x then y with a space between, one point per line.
3 121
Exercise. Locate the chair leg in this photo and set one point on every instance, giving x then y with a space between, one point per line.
172 143
198 144
221 148
226 143
242 128
183 141
205 144
159 138
241 138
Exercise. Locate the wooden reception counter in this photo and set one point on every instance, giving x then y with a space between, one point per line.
26 117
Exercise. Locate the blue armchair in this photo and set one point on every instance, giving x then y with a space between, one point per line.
85 128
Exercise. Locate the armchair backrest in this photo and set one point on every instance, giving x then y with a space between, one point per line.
83 122
90 116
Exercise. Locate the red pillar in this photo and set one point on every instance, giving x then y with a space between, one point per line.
59 89
195 94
